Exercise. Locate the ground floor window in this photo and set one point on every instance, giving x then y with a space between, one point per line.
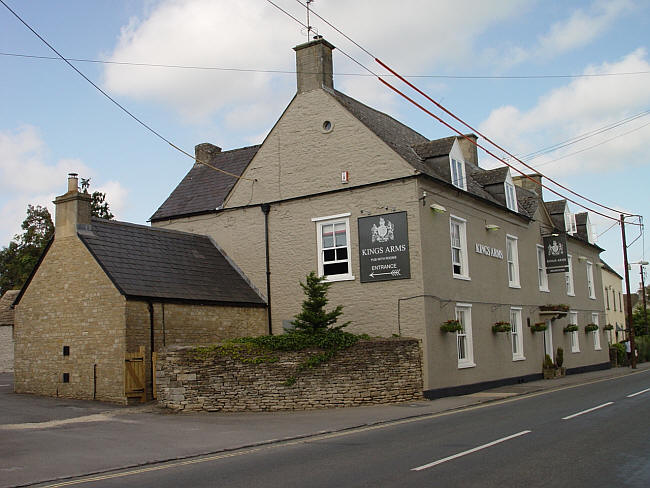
596 333
575 343
464 336
517 334
333 240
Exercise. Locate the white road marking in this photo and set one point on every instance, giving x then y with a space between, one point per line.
470 451
588 410
638 393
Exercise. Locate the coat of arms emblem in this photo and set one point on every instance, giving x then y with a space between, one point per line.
555 248
382 232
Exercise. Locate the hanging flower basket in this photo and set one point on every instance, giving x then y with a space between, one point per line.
501 327
570 328
608 327
538 327
560 307
591 327
451 326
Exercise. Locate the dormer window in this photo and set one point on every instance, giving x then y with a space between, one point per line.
570 221
511 196
458 173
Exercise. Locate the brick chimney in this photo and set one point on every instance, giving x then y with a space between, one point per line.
314 65
524 182
72 209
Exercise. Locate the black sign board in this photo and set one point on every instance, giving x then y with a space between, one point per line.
555 253
384 247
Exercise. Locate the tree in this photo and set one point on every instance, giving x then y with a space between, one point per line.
18 259
313 318
99 206
21 255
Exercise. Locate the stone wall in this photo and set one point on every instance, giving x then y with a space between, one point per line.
370 372
70 302
6 349
188 324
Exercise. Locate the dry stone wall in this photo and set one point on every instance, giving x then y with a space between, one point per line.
370 372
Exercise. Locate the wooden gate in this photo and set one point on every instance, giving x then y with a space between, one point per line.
135 375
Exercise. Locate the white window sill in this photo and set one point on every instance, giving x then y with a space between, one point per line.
570 294
598 348
514 286
462 277
519 358
466 365
575 352
332 279
545 290
592 298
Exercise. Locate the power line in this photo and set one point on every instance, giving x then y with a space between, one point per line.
573 140
121 107
293 72
468 126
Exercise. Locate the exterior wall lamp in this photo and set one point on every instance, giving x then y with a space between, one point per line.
492 227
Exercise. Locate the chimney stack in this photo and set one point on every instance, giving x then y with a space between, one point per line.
206 152
314 65
524 182
72 209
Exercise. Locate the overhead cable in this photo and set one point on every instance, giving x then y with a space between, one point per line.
120 106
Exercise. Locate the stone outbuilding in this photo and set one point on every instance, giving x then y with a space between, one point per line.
106 294
7 331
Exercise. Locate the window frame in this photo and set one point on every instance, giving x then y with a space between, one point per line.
510 193
331 220
542 275
596 333
575 338
466 323
457 165
462 236
513 282
517 334
591 289
568 276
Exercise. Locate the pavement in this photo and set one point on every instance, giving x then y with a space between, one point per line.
46 439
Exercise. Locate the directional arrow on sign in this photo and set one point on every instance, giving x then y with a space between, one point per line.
395 272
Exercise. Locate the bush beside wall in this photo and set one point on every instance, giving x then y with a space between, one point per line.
370 372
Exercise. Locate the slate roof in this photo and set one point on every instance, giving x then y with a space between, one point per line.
204 189
6 312
491 176
147 262
555 206
527 201
609 268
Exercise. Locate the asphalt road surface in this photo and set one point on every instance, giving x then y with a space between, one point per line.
594 435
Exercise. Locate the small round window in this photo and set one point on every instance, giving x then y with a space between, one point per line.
327 126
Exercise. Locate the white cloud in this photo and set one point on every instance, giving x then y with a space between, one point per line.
27 177
576 108
576 31
116 196
255 35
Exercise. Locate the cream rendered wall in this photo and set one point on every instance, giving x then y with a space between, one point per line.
70 302
299 158
491 297
614 314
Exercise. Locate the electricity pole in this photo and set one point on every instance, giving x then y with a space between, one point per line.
628 298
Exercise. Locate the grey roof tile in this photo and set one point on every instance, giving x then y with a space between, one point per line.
158 263
204 189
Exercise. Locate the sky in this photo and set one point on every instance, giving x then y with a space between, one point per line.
529 74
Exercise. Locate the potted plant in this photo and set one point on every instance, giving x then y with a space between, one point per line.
559 361
548 368
452 325
560 307
570 328
591 327
501 326
608 327
538 327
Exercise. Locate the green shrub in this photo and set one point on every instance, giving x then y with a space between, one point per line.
559 357
643 346
621 356
548 363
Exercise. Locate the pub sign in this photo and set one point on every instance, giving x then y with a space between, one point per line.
555 253
384 247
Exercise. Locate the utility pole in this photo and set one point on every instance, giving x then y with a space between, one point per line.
645 310
628 298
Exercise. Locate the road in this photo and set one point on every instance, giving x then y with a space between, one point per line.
594 435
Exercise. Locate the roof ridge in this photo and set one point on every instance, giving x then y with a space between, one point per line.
145 227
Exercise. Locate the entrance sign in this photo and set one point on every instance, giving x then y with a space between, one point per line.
384 247
555 254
